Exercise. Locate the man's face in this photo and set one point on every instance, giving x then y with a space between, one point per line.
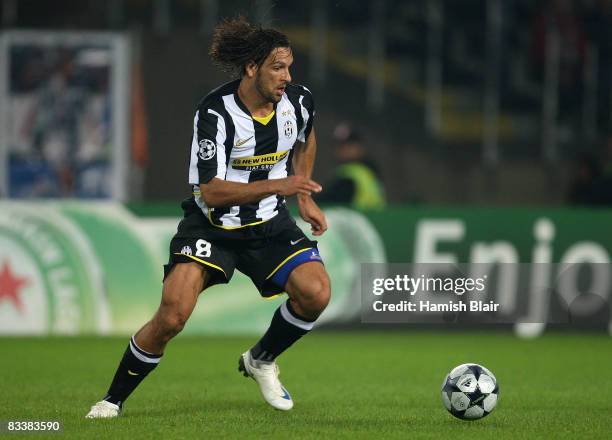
273 75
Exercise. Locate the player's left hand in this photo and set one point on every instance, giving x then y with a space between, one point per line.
312 214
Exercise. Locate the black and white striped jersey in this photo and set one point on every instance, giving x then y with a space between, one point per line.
230 144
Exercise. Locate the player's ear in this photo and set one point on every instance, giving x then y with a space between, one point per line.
250 69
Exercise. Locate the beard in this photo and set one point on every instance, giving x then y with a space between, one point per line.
268 95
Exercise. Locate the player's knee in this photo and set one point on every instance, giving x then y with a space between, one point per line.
171 323
315 297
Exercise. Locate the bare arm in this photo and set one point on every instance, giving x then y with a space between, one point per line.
303 163
218 193
304 156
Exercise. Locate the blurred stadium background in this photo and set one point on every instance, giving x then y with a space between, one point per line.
488 124
497 102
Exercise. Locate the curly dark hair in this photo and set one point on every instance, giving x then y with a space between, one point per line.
236 43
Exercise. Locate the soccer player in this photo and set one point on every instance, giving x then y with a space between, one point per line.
248 135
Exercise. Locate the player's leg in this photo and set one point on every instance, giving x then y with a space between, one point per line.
308 287
309 292
180 294
179 297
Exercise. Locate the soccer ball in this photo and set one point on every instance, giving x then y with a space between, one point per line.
470 392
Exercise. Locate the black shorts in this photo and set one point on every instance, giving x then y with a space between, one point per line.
258 251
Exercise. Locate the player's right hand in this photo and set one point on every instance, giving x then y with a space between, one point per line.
292 185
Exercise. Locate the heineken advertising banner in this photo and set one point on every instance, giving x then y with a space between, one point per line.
75 268
96 268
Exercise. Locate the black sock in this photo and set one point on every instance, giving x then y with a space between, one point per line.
133 368
286 328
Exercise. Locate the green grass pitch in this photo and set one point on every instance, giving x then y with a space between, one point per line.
345 385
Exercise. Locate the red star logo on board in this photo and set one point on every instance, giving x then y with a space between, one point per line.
10 286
